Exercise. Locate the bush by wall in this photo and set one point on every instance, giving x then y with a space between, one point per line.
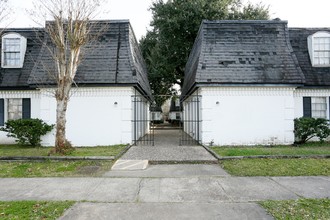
27 131
307 128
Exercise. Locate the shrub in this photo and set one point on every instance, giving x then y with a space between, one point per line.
27 130
307 128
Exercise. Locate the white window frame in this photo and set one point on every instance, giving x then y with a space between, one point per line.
313 50
22 50
18 111
318 107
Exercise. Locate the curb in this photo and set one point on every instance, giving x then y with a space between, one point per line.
64 158
211 151
266 156
155 162
275 157
59 158
123 152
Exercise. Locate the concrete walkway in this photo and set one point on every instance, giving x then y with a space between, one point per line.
163 193
167 149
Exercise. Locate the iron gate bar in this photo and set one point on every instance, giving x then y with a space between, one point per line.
189 122
191 119
142 125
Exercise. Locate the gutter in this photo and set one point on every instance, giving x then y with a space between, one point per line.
195 86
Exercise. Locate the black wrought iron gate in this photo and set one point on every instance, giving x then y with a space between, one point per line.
191 120
183 115
142 126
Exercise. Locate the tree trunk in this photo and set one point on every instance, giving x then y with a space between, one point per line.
62 145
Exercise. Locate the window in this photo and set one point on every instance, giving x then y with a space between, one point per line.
177 116
319 49
13 50
322 51
177 103
12 109
315 107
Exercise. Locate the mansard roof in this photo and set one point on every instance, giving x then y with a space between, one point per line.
242 53
113 58
18 77
314 76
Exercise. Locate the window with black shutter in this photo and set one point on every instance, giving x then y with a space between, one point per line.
315 107
2 112
26 108
307 107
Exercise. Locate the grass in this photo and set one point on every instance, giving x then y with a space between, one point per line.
277 167
53 168
33 209
298 209
276 150
18 150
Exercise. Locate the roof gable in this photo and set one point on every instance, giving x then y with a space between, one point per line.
242 52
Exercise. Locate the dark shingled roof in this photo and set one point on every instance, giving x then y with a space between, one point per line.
242 52
18 78
315 76
113 58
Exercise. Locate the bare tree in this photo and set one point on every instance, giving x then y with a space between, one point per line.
4 10
69 31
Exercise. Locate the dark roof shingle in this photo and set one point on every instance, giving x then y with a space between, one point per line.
113 58
17 78
315 76
242 52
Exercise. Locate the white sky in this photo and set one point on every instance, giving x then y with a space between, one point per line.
298 13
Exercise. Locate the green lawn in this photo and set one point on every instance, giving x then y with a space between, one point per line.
33 209
276 150
53 168
277 167
299 209
17 150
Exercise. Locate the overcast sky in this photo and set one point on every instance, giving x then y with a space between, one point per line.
298 13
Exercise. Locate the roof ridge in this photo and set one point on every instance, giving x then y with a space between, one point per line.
275 21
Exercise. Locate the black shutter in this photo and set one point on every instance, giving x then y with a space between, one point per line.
2 112
26 114
307 107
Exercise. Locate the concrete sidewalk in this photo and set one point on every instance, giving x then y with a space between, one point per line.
163 193
168 190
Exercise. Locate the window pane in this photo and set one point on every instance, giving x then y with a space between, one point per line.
319 107
14 109
12 47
